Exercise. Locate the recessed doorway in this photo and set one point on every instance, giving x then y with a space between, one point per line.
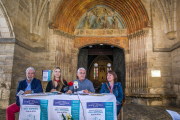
98 59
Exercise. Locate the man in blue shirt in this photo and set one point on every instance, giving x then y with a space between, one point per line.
83 84
29 85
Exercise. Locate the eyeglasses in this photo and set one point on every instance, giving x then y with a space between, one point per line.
82 73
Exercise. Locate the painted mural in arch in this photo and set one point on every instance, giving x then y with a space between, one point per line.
101 17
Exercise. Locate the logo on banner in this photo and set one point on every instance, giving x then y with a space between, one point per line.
31 117
96 118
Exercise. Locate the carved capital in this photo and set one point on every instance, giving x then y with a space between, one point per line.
145 31
68 35
149 24
130 36
52 26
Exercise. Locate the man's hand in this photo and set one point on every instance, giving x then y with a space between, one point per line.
69 92
27 92
53 90
85 91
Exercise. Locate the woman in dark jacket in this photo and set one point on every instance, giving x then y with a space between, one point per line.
57 83
114 87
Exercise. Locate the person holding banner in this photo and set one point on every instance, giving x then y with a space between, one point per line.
114 87
57 83
81 84
28 86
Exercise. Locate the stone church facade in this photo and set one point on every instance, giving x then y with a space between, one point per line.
49 33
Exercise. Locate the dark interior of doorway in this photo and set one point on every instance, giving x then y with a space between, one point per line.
89 53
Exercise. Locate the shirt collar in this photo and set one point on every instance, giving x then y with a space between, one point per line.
27 81
82 81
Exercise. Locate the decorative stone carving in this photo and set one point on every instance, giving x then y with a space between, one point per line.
60 32
149 24
144 31
171 35
101 32
168 9
34 37
37 9
121 42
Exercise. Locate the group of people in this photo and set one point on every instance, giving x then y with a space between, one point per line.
33 85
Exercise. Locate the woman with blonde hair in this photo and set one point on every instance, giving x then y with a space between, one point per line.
57 83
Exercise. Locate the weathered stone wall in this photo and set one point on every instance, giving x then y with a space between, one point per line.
29 21
176 61
6 64
159 87
23 59
4 29
161 51
175 56
164 21
60 54
6 57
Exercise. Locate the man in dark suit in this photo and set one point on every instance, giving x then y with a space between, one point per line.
29 85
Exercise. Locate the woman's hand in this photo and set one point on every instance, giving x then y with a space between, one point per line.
53 90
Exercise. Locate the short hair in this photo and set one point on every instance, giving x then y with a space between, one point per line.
81 68
114 74
30 68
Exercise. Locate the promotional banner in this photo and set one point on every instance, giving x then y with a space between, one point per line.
41 106
34 109
62 107
100 111
46 75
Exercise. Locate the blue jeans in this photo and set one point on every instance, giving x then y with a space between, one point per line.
118 109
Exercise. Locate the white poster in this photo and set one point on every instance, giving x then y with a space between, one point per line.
34 109
96 110
100 111
60 108
46 75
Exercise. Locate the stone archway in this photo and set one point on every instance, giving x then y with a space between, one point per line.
6 29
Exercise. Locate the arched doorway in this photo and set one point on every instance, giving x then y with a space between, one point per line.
98 59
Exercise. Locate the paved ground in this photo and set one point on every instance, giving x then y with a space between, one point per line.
133 112
140 112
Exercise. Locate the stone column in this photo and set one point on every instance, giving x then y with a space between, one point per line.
75 53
